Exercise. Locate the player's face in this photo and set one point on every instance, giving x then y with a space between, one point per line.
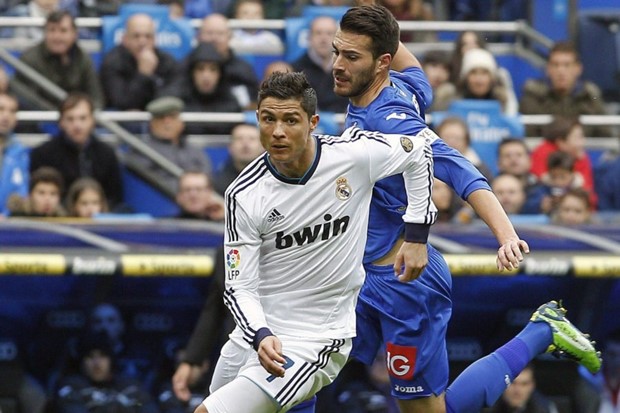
285 134
354 66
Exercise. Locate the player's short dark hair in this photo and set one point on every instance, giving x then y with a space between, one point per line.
290 85
376 22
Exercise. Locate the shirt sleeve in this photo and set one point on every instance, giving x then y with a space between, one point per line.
412 156
242 243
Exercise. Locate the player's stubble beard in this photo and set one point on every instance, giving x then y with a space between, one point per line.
360 83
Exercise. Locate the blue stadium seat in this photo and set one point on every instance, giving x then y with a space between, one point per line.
487 126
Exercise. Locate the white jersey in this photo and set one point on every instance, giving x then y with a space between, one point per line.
293 247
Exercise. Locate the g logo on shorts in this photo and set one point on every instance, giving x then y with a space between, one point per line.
401 361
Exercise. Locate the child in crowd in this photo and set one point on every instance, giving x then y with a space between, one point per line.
566 135
43 200
559 178
86 199
574 208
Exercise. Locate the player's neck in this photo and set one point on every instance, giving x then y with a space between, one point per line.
297 168
372 91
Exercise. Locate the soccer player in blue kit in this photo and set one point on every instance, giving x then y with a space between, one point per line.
388 92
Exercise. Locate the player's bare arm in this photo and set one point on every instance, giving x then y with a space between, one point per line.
270 355
414 257
512 248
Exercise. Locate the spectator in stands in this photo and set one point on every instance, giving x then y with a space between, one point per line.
176 8
203 88
480 80
467 40
14 157
454 131
436 66
133 72
237 72
244 147
76 152
85 199
197 199
277 66
563 92
513 158
254 41
510 192
166 136
131 359
32 8
607 184
97 388
574 208
316 63
448 204
4 80
522 397
44 196
566 135
60 60
559 178
412 10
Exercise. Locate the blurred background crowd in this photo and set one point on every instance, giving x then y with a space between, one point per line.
144 109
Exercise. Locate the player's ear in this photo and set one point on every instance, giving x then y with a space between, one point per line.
384 62
314 121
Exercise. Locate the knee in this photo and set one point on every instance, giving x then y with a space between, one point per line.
201 409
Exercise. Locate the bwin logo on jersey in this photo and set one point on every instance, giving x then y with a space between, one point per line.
274 216
343 189
318 232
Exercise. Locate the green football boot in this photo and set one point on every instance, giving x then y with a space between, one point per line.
568 340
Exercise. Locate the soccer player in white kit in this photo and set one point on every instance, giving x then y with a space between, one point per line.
295 230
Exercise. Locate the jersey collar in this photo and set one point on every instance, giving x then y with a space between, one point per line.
307 175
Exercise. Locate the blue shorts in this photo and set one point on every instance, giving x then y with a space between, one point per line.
410 322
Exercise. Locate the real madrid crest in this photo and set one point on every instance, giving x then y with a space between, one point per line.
343 189
406 143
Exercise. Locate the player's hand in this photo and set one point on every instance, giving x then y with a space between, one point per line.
510 254
185 376
414 257
270 355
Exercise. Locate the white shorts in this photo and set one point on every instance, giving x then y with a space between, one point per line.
311 365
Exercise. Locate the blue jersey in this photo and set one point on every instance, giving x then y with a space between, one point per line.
400 109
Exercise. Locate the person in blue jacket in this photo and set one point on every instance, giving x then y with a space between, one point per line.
14 157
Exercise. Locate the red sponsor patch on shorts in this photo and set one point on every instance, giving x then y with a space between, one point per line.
401 361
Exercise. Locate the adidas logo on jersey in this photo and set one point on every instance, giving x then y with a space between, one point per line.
308 235
274 216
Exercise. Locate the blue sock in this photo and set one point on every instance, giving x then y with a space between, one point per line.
305 406
484 381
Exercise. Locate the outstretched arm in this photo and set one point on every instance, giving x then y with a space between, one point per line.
510 252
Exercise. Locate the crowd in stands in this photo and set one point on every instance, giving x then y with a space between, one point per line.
75 173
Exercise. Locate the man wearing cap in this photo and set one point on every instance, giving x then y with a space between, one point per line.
166 136
204 88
